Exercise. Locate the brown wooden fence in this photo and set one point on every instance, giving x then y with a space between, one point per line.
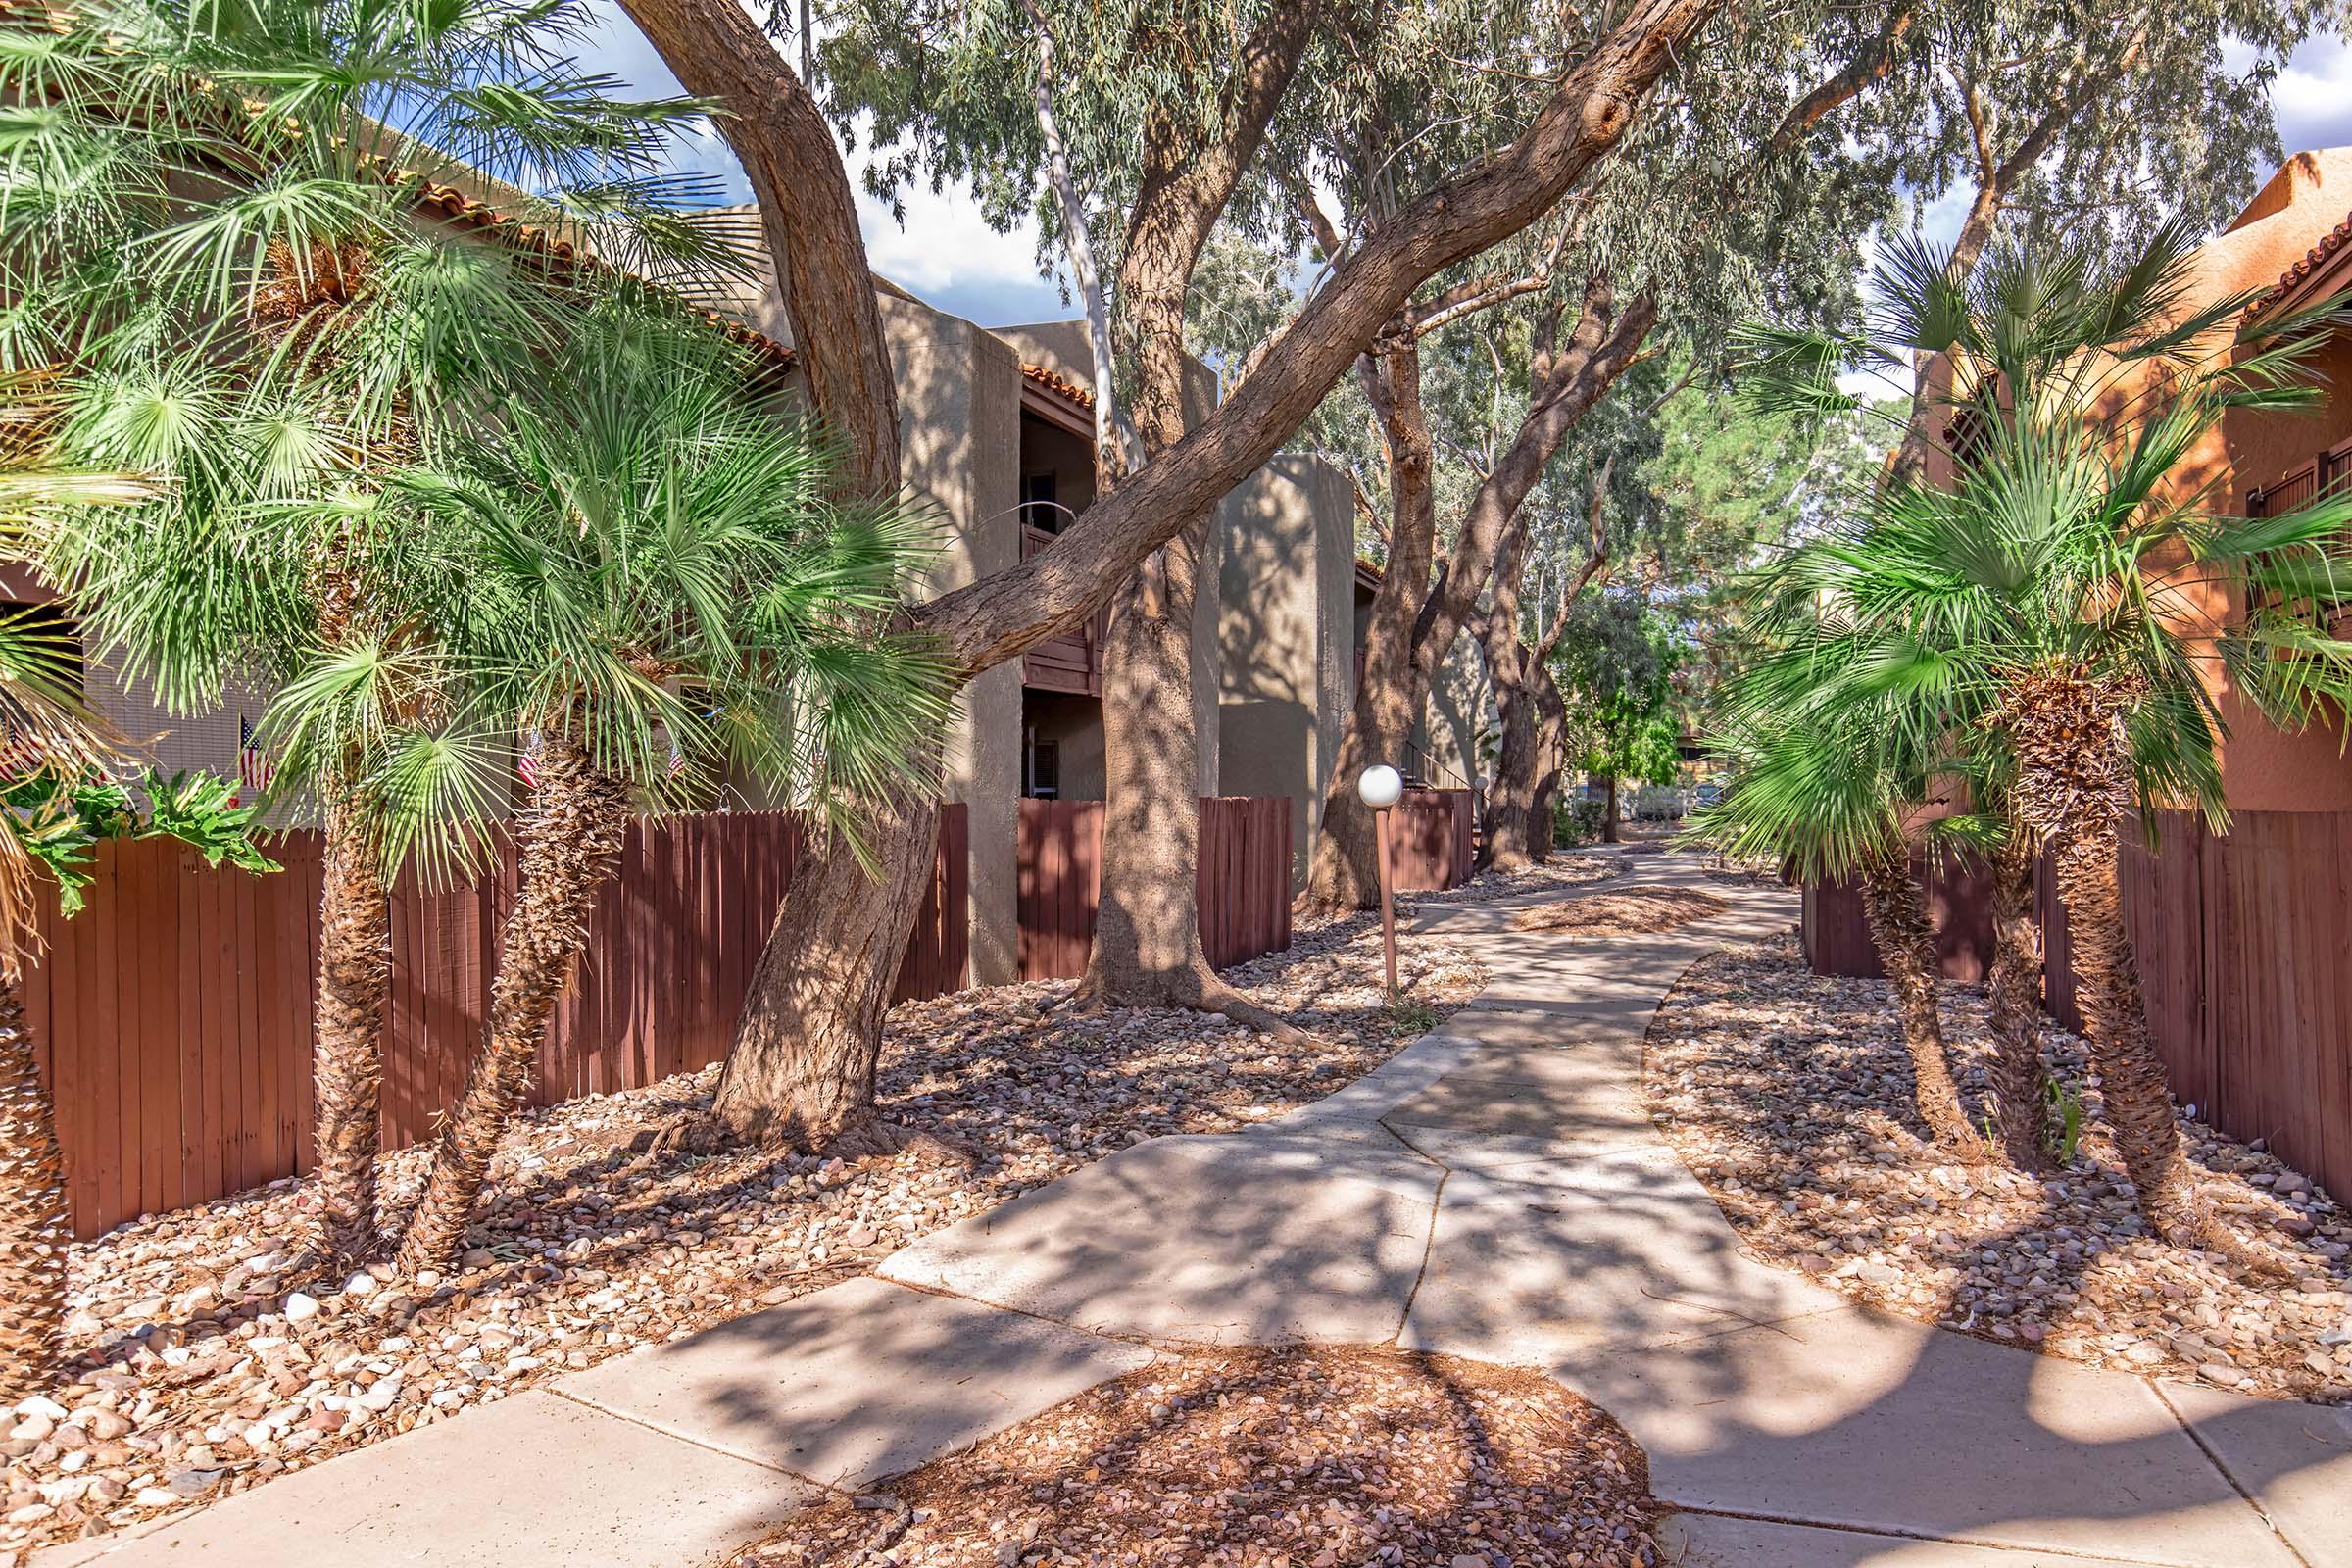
2245 957
1958 892
1244 881
174 1015
1431 840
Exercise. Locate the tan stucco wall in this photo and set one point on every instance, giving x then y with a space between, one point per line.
2263 768
1286 637
960 426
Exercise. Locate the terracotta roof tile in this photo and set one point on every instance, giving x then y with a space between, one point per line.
1053 381
2335 239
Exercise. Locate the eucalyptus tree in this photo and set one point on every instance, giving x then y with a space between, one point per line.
812 1027
251 233
2053 608
2060 119
1704 213
639 570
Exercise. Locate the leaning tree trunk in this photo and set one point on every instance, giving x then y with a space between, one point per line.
1906 949
354 976
2013 990
569 838
34 1219
2073 785
801 1072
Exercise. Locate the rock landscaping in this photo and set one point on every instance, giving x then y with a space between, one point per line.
1782 1090
1618 915
1305 1457
207 1353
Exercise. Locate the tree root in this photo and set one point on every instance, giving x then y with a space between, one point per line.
865 1136
1200 989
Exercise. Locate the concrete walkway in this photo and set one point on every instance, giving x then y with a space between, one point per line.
1496 1191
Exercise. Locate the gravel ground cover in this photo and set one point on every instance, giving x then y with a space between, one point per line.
1782 1091
1305 1457
209 1354
1617 915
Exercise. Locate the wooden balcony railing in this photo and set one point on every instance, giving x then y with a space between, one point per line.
1068 664
2328 471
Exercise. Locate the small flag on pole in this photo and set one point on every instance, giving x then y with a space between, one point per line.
527 767
253 762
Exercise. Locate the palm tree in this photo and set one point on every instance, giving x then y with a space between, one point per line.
649 574
1821 790
55 803
239 225
2051 606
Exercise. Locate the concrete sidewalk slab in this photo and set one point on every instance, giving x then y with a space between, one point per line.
534 1479
1857 1420
1594 1114
2294 1460
1713 1541
1165 1244
854 1382
1539 1274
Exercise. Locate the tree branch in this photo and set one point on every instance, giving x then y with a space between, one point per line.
1013 611
1870 64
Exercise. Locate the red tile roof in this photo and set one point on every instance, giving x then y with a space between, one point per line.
2334 240
454 206
1056 382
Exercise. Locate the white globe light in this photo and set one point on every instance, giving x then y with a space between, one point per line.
1380 786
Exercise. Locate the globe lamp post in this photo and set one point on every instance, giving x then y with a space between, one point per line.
1380 787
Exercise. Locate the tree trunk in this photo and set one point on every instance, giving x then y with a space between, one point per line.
2014 993
801 1072
1346 871
2073 784
1403 648
1608 811
35 1226
1513 832
568 837
1906 948
354 975
1551 722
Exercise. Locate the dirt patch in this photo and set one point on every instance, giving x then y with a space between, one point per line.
1304 1456
210 1353
1620 914
1788 1094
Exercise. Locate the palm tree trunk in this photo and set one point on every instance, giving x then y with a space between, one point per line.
1906 948
354 975
2014 988
568 839
2073 785
35 1221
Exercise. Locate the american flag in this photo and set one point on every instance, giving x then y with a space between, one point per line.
527 767
253 764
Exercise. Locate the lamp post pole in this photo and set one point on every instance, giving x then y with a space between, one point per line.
1379 788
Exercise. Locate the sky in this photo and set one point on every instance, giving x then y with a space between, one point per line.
947 255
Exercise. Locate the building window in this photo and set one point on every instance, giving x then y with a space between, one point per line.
1038 508
1040 767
